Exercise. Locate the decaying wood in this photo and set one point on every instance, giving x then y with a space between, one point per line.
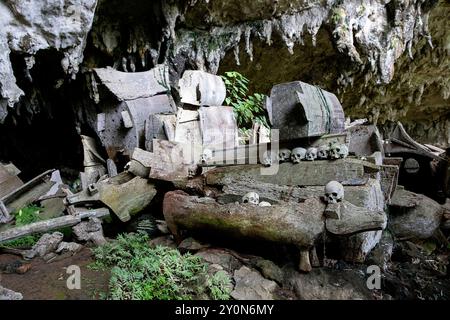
29 192
356 219
124 194
365 140
368 195
170 161
301 110
306 173
305 263
333 211
389 180
134 85
49 225
401 142
8 181
298 224
202 89
218 127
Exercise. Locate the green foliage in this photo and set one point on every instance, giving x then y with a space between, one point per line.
219 286
24 216
140 272
246 108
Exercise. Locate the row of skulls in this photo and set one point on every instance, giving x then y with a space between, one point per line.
332 151
334 193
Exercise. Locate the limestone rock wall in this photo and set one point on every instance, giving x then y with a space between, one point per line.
386 59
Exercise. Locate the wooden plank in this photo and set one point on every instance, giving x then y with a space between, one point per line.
155 128
389 180
53 224
218 127
306 173
187 130
8 182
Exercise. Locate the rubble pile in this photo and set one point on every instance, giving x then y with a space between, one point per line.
321 182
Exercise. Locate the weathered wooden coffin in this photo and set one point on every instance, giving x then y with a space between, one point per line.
300 110
122 126
307 173
134 85
202 89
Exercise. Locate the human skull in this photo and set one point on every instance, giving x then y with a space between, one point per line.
338 151
251 197
284 155
334 192
311 154
264 204
206 155
323 151
269 158
298 154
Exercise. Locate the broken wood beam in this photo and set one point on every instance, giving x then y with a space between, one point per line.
52 224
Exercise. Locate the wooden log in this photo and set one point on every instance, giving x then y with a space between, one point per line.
49 225
306 173
298 224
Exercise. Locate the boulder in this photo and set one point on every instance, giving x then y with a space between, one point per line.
414 215
220 257
6 294
90 231
250 285
327 284
47 243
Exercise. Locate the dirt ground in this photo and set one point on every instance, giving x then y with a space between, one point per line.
47 281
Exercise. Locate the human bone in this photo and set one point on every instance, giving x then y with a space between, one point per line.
269 158
284 155
311 154
323 151
251 197
334 192
298 154
338 151
264 204
206 155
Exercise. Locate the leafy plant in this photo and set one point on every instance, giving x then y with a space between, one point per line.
219 286
247 108
24 216
140 272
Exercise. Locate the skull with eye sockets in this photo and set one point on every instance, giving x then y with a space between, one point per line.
284 155
269 158
298 154
251 198
338 151
323 152
311 154
206 155
334 192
